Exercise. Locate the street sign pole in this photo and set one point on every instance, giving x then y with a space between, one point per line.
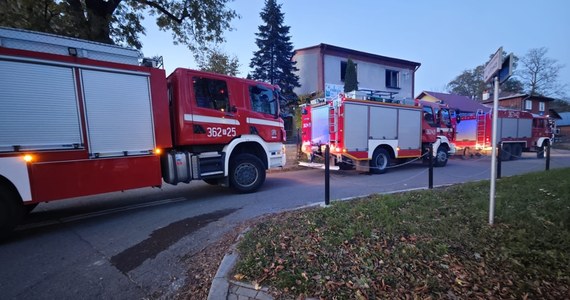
494 153
492 69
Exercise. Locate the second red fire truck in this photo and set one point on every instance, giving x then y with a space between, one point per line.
371 132
80 118
517 131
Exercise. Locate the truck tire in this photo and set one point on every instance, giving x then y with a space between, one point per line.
247 173
516 150
441 157
466 153
11 211
506 152
379 162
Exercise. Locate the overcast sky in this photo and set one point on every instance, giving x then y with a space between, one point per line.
445 36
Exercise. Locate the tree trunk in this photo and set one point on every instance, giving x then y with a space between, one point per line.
99 16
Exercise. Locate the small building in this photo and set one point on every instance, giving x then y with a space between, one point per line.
322 69
462 104
535 104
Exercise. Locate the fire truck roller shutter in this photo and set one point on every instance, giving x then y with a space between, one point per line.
119 113
38 107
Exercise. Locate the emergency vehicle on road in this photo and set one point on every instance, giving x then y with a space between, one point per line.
517 131
81 118
368 132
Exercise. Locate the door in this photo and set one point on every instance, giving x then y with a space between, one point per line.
213 118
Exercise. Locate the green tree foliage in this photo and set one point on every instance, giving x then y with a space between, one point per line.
470 83
272 62
217 61
192 22
350 77
540 73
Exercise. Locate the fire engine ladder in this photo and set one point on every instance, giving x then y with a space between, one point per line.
333 123
481 127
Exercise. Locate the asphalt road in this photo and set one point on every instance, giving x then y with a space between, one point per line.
132 244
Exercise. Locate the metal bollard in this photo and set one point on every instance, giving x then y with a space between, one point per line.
547 157
430 177
499 164
327 175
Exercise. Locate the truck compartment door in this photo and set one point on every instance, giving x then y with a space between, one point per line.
355 127
409 129
383 123
118 113
38 107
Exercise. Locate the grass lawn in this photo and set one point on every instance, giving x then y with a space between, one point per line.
433 243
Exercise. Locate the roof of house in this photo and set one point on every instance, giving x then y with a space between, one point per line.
349 52
459 102
565 121
522 96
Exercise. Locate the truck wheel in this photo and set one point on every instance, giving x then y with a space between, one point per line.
505 152
379 161
516 149
11 211
247 173
466 154
441 157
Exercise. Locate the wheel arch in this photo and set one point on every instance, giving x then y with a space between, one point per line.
5 182
388 145
541 141
251 144
14 172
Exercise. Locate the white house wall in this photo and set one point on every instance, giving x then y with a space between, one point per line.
308 73
370 76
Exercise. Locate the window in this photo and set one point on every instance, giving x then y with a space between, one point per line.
263 100
528 104
538 123
446 116
541 106
392 79
428 115
343 65
343 70
211 93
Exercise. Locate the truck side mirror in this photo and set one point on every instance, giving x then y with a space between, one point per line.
233 109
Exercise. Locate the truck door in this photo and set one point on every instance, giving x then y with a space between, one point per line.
263 117
214 119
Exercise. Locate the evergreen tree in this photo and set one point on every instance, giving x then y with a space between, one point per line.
272 62
350 79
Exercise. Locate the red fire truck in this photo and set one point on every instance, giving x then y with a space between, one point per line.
370 132
517 131
81 118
